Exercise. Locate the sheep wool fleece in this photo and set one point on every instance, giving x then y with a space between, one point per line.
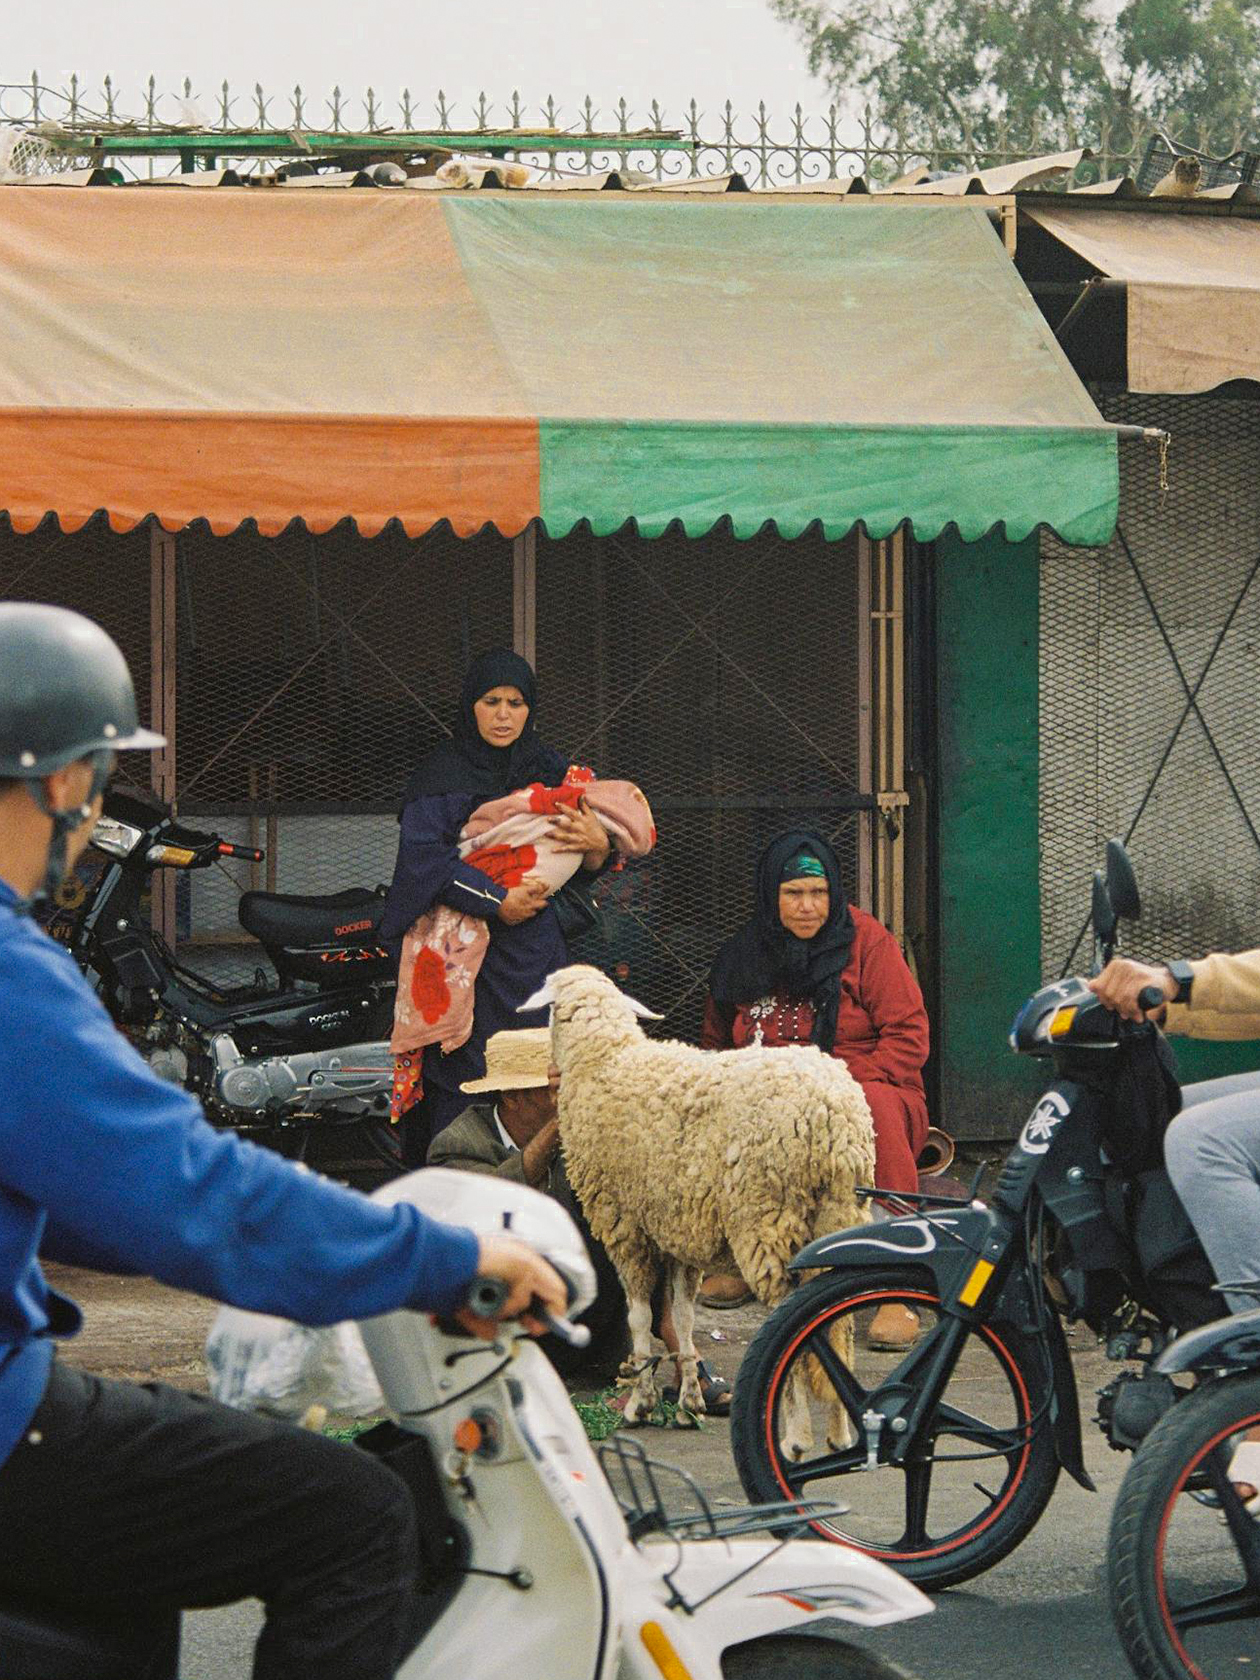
701 1157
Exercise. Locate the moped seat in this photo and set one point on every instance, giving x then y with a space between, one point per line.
47 1645
295 923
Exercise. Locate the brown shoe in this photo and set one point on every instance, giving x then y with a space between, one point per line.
894 1328
722 1290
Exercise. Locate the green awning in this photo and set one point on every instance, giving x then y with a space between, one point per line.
785 362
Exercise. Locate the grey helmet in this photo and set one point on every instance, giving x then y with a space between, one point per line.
65 691
65 694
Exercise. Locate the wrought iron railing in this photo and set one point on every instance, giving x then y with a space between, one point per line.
768 151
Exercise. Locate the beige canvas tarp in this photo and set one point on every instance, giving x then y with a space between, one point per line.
488 358
1193 288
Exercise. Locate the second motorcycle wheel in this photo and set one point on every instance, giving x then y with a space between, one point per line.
1183 1558
985 1470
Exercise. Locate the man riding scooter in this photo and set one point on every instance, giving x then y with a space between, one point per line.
123 1501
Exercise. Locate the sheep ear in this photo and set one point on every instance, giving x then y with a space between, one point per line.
642 1009
543 998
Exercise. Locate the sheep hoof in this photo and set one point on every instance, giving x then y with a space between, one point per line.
639 1408
685 1418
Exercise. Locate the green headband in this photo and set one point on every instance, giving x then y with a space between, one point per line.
804 863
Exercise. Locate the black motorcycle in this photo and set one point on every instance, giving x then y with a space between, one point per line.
947 1454
274 1059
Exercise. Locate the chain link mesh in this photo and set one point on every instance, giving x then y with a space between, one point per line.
314 672
722 676
1149 676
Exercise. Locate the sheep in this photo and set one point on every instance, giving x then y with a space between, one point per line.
699 1160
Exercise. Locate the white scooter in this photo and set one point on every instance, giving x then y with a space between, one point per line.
547 1566
572 1572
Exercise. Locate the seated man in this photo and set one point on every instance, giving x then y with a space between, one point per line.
518 1136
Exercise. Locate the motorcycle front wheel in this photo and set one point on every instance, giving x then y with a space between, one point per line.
1184 1555
800 1656
987 1465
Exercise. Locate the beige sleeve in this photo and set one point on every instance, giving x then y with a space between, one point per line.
1224 1000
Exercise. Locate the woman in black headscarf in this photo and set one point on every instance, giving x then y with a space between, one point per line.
494 750
811 968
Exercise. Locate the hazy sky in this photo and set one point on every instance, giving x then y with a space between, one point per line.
670 50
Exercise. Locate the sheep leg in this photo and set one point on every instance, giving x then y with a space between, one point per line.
683 1284
765 1271
640 1369
837 1213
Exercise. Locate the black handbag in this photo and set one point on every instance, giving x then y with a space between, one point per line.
577 909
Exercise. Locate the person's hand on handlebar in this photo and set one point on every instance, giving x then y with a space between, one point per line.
528 1277
1120 982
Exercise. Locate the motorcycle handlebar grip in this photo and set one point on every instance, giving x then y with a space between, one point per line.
253 854
486 1296
1151 997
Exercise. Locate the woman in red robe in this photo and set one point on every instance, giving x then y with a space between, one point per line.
811 968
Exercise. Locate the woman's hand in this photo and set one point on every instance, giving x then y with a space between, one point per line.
581 831
523 902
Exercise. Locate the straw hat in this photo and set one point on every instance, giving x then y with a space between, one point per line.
518 1059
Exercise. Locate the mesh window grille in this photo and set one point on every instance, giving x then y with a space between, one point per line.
722 675
1150 683
312 673
94 571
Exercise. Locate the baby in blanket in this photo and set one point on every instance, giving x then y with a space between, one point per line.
509 840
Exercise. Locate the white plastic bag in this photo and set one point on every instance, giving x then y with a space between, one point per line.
264 1364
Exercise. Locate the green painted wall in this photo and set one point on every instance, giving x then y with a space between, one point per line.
989 912
989 906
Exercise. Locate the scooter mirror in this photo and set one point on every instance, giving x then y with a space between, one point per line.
1122 887
1102 914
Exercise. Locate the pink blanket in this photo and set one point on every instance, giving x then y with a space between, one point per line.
506 839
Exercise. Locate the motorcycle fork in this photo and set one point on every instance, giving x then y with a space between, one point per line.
906 1402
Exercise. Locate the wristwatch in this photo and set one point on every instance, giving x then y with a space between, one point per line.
1183 974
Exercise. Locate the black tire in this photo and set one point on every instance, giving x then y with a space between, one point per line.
802 1656
1013 1431
1170 1551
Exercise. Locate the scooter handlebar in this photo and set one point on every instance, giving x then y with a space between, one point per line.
252 854
1151 997
486 1297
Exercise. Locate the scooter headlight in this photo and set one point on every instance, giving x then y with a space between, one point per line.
119 839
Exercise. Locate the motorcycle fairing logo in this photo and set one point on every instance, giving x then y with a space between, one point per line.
1043 1123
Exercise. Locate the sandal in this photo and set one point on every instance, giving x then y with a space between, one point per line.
1244 1469
716 1391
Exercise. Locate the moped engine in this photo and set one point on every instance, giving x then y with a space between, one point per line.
349 1082
1131 1405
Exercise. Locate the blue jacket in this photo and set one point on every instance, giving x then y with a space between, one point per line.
103 1164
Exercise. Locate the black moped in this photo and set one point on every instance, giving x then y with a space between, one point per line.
947 1455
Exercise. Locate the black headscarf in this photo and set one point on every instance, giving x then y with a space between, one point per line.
764 958
467 763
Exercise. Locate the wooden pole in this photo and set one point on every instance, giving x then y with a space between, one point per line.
162 642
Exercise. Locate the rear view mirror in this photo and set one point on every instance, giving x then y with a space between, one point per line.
1122 888
1102 914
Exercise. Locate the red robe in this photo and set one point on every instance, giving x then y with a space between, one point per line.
881 1036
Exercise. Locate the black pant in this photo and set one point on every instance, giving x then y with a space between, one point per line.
131 1501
